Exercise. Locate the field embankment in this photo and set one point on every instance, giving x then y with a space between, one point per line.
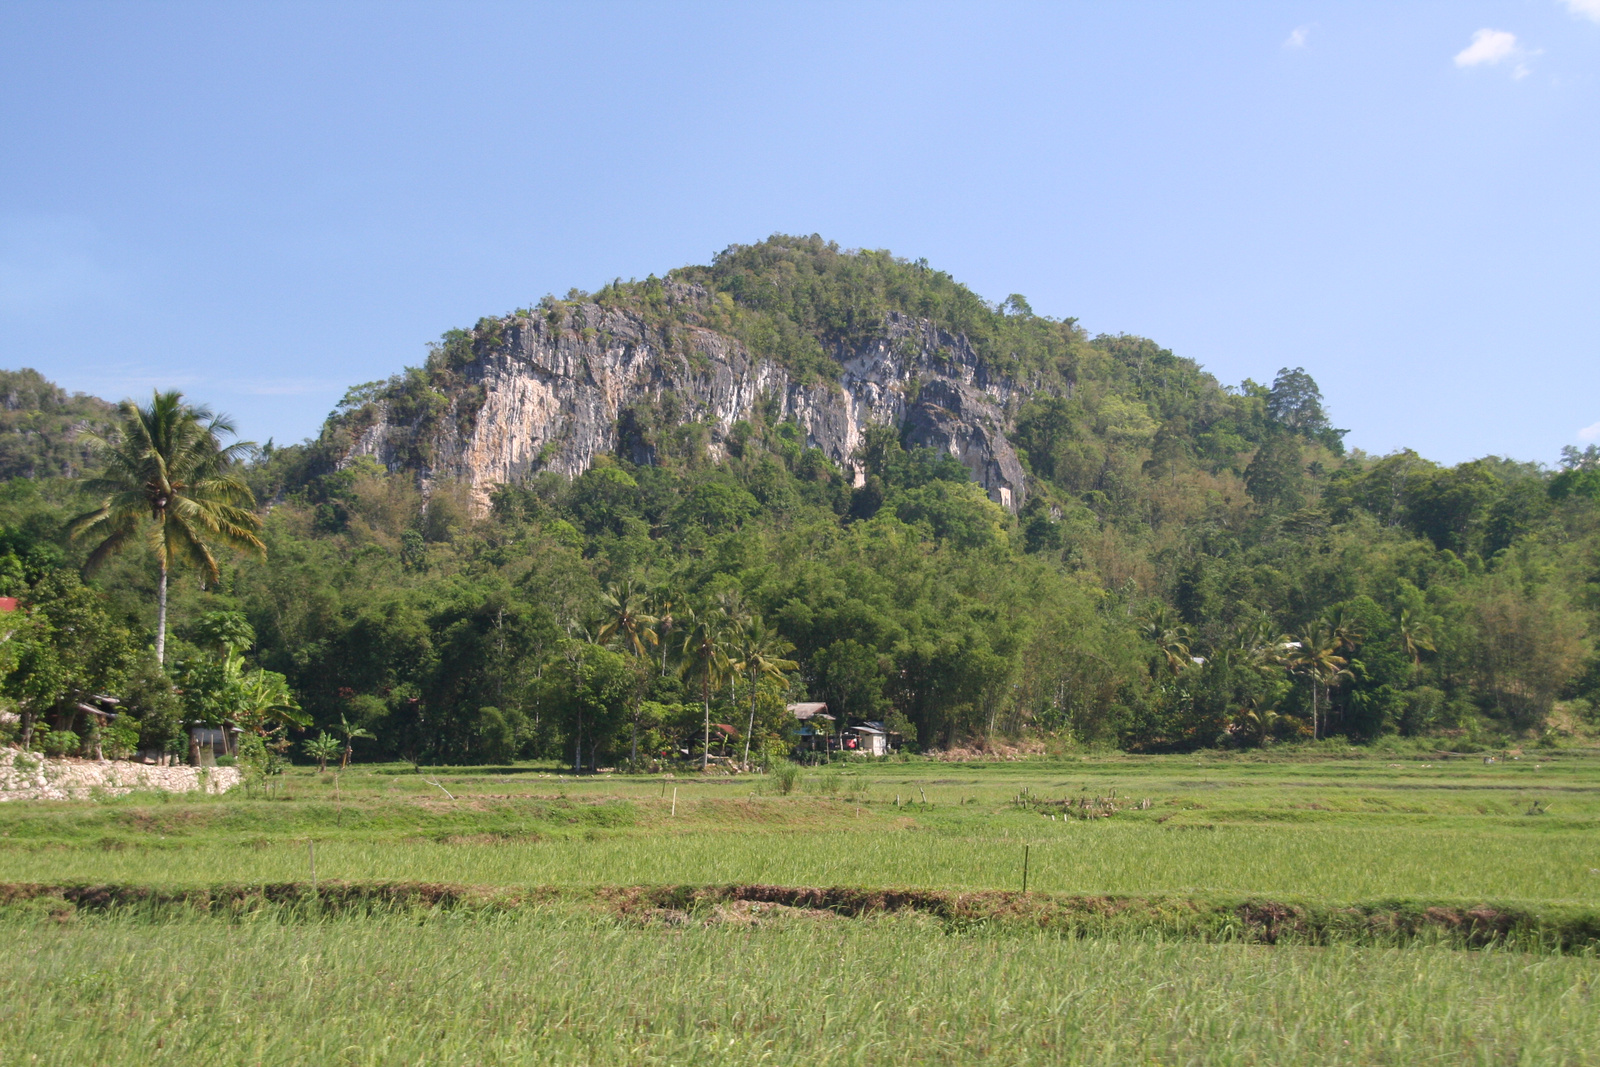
1204 910
1217 919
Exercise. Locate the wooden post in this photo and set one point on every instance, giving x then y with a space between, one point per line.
1025 868
674 801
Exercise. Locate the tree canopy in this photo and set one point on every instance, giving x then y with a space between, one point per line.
1195 566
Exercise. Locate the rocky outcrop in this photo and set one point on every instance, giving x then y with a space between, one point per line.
550 388
25 776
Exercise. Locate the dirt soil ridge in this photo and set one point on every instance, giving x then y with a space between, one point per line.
1243 919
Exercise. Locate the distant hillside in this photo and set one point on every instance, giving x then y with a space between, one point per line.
965 518
42 425
795 329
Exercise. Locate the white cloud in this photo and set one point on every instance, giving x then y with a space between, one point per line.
1590 433
1297 36
1488 47
1588 9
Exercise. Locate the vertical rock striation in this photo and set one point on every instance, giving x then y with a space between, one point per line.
552 392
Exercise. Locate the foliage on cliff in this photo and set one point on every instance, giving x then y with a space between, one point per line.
808 305
41 426
1191 607
1195 565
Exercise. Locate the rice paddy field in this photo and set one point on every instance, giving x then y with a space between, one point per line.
1428 908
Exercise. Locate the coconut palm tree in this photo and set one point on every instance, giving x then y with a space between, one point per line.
1255 721
166 463
1416 637
705 660
759 653
1315 656
628 623
1171 638
627 619
1259 645
659 604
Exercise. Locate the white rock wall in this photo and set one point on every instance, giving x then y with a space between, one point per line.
552 395
28 776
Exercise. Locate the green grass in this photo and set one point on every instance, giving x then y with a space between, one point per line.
1330 864
1335 830
570 975
556 986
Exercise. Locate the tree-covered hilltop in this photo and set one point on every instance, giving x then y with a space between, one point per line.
1081 407
1194 565
41 427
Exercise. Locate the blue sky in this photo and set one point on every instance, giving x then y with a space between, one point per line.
265 203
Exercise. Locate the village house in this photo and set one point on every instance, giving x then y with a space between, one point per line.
821 732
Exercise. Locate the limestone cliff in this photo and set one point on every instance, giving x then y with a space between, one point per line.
547 389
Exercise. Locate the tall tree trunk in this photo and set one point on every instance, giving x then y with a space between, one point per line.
161 615
733 704
705 694
752 727
577 751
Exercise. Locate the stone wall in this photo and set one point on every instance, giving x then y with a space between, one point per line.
28 776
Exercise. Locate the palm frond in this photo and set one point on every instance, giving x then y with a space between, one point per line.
110 545
182 540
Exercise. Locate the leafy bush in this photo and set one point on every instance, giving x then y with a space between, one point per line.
56 743
119 739
785 776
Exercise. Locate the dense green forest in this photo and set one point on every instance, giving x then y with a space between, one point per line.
1195 566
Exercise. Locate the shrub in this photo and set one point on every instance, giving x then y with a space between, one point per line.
57 742
785 776
119 739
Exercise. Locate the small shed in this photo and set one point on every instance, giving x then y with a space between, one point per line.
870 740
207 742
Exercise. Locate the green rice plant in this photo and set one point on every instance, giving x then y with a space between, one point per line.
1102 856
731 987
1326 831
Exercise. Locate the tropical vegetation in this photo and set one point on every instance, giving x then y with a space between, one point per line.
1196 566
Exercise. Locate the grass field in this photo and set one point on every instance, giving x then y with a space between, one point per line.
1332 830
567 982
552 988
